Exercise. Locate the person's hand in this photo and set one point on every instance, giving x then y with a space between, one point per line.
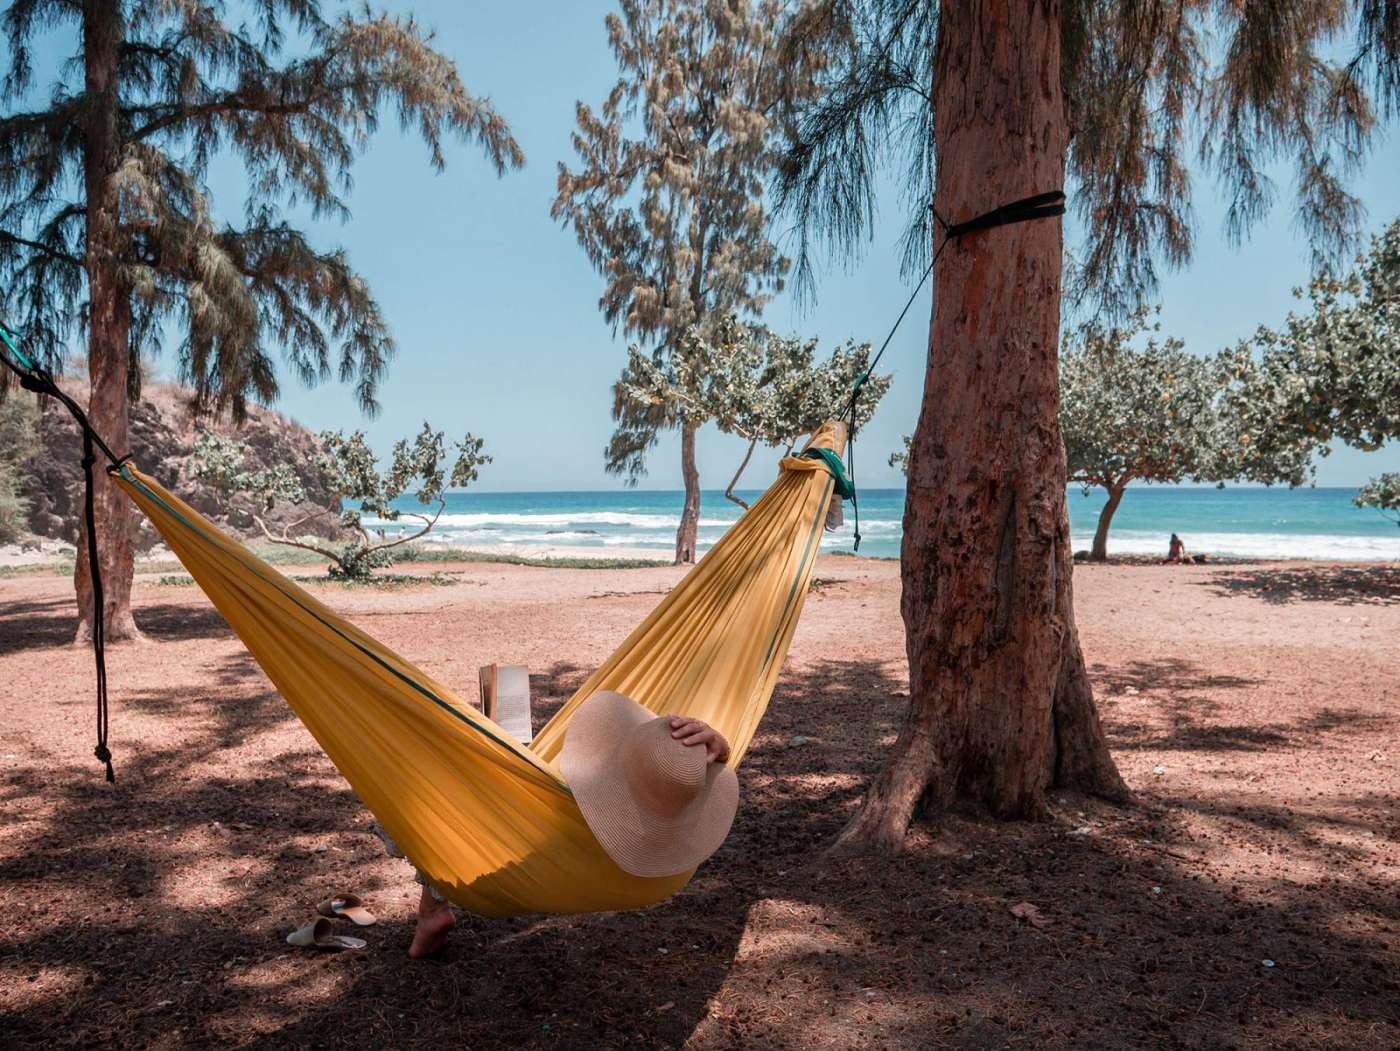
690 731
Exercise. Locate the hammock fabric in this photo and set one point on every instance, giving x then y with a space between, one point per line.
490 822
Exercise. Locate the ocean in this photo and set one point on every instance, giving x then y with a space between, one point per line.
1261 523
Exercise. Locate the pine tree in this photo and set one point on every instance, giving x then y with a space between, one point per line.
106 225
668 200
983 103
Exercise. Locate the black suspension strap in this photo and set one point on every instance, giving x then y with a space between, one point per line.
1039 206
1047 205
99 608
32 378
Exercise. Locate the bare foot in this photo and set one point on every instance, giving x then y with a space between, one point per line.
435 922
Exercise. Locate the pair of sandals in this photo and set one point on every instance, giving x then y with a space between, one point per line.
320 933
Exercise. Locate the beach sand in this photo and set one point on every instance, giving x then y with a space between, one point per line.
1248 899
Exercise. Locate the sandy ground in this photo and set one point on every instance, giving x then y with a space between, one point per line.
49 552
35 553
1248 900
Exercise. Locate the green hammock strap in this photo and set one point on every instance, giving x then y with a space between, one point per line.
6 335
844 488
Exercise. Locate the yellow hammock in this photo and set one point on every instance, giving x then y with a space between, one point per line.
489 821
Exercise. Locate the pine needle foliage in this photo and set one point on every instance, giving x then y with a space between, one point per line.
668 195
1149 86
290 93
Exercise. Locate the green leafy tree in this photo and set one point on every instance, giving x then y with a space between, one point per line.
106 225
668 199
753 383
17 418
1130 414
352 474
1157 414
899 458
974 103
1332 372
1382 493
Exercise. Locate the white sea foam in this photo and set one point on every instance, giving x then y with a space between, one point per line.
635 529
590 518
1323 546
569 518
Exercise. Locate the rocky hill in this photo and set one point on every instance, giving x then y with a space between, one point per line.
163 433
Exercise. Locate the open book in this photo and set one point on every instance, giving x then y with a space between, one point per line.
505 698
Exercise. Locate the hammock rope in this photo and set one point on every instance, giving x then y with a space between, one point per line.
1048 205
40 381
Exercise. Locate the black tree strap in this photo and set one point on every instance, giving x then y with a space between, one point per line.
38 381
99 608
851 465
1038 206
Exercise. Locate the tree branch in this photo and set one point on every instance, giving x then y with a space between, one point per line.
39 246
228 104
422 532
287 529
295 543
729 492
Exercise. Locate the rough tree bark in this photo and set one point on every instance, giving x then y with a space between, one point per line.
1000 706
1099 552
109 322
690 514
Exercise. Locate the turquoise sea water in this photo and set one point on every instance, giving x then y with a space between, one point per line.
1256 523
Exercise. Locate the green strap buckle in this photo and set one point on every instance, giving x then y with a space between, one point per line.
844 488
5 334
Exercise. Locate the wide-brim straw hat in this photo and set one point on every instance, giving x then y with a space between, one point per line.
656 806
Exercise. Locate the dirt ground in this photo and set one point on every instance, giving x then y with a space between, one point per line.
1249 899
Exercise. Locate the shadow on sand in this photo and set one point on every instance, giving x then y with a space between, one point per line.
1344 585
1161 705
52 622
151 914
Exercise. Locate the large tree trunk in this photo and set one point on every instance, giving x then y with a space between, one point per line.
109 323
1078 755
690 514
1099 553
989 627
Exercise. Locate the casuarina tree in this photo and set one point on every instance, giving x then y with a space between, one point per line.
107 227
668 196
976 101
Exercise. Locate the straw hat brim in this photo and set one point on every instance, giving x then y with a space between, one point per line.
639 840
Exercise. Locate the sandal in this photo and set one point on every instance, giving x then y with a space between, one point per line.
347 907
318 935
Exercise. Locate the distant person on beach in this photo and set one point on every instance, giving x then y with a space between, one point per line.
1176 554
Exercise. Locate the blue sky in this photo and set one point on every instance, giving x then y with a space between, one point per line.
494 306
